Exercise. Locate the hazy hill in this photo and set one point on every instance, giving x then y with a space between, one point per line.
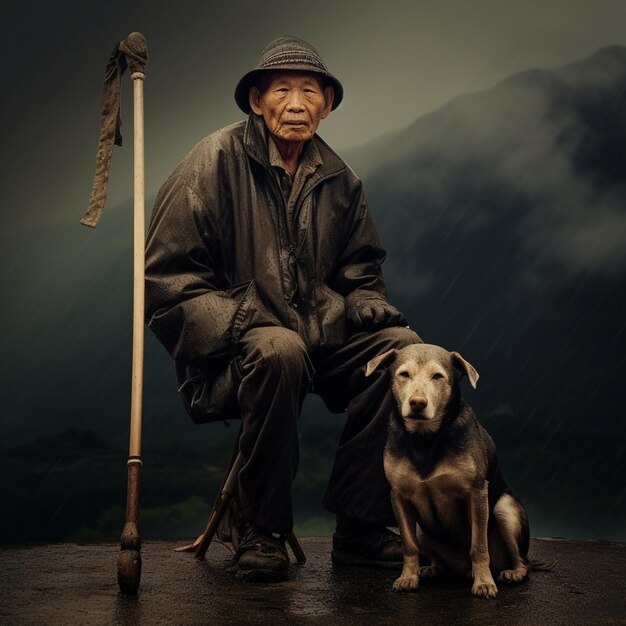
505 218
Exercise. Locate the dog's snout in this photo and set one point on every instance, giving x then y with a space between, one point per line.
418 403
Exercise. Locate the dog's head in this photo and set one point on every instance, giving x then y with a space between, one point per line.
424 381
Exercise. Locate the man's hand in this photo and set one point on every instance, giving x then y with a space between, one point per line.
372 314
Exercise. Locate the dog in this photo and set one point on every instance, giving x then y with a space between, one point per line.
450 500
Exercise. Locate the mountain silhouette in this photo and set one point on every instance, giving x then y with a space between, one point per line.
505 222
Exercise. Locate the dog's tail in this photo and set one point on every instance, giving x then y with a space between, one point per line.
543 566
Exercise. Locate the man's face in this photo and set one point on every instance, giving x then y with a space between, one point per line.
292 104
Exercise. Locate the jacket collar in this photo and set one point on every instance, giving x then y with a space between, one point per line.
256 139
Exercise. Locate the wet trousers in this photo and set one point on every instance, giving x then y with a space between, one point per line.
276 373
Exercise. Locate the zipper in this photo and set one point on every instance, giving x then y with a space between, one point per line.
286 240
285 243
285 230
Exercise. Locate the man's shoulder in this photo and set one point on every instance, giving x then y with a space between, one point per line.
209 151
225 139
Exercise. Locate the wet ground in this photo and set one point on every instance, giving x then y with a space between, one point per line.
76 584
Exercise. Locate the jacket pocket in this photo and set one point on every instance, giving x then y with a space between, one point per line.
331 317
251 313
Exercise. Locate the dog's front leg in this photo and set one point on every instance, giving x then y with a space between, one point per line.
407 523
484 584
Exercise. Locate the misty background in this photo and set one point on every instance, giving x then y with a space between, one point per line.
491 140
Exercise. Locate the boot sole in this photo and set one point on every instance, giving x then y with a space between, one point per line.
349 558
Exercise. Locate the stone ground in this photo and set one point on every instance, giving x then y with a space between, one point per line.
76 584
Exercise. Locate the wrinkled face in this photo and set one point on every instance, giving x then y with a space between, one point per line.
292 104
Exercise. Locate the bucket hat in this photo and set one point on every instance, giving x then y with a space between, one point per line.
286 53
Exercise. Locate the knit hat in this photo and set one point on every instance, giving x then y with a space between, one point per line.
286 53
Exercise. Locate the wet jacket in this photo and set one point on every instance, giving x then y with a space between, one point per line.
221 257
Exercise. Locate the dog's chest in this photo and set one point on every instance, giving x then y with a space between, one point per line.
440 492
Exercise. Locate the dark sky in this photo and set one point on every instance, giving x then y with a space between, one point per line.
397 61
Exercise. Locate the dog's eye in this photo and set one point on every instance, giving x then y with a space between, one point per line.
437 375
403 373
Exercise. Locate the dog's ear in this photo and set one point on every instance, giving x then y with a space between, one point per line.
465 367
377 361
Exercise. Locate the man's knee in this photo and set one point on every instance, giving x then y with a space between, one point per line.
279 349
395 337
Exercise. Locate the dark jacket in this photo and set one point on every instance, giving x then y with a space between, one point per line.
221 257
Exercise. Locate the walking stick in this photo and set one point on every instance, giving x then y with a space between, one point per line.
131 52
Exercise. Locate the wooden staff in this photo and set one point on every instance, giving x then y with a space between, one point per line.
129 559
132 52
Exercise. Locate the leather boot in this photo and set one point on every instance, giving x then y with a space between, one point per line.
360 543
261 556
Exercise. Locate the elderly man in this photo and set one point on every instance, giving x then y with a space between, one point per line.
263 278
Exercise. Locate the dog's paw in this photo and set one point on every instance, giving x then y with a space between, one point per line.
512 576
430 571
406 583
484 588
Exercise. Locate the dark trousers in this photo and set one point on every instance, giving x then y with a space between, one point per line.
276 374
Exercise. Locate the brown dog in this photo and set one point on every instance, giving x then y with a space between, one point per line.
449 497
